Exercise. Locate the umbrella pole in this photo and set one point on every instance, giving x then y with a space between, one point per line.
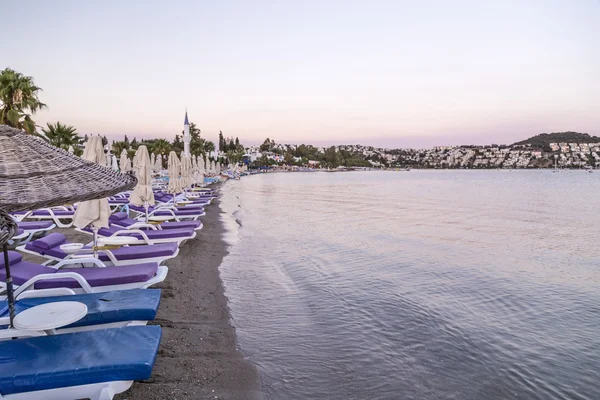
9 287
146 207
95 239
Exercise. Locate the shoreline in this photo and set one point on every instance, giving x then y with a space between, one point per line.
198 356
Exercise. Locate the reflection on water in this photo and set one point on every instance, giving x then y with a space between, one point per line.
417 285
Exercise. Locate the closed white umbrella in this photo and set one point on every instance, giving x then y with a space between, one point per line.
195 170
158 163
114 163
211 169
93 212
71 149
201 169
152 160
174 168
124 161
218 168
142 195
186 172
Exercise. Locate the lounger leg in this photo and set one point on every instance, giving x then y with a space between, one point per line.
106 393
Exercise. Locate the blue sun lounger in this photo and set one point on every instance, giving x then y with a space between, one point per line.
105 310
82 365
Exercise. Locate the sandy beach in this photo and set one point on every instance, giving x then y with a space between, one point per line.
198 358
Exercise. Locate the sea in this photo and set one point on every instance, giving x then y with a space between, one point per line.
423 284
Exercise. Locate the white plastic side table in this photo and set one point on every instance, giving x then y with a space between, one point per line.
50 316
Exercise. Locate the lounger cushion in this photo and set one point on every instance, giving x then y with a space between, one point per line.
152 234
127 222
22 271
117 216
50 241
103 308
122 254
180 213
35 225
62 213
81 358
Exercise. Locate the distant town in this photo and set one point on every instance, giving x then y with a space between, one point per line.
578 150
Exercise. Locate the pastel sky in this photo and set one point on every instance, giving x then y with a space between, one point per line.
391 73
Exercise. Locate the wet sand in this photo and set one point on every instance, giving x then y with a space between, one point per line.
198 358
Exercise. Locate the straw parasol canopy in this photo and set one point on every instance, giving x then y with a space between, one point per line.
142 194
174 168
92 212
124 161
186 179
34 174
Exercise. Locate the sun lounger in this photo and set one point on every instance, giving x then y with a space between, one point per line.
30 230
122 219
176 213
95 364
31 276
49 247
104 310
178 236
61 216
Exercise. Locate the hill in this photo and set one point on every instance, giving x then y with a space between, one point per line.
543 140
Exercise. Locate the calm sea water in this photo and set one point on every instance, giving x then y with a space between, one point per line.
417 285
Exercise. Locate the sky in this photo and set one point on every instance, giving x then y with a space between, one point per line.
386 73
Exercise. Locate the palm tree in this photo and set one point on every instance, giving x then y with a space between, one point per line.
62 136
18 100
118 147
161 146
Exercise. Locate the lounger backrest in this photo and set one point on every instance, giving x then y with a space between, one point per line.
13 258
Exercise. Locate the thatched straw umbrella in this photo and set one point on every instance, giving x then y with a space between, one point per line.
34 174
142 194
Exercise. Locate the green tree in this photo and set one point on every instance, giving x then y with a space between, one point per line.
62 136
177 145
161 146
196 142
18 100
266 146
222 142
209 146
118 147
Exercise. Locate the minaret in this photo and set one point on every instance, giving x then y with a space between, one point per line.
186 136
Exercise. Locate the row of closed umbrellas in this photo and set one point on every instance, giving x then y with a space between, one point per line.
183 174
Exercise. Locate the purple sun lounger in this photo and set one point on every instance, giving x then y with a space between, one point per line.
156 236
31 276
122 219
178 214
49 247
